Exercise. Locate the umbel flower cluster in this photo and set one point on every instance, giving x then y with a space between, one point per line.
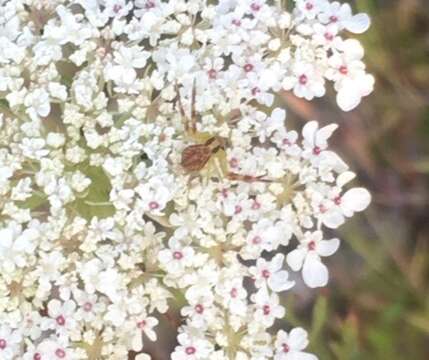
144 168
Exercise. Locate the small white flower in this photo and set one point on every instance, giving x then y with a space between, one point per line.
270 273
289 346
308 257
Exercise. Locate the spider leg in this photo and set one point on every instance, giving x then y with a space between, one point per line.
247 178
193 111
181 109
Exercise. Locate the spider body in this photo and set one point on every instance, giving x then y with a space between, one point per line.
196 157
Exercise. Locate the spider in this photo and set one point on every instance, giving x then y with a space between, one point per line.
208 148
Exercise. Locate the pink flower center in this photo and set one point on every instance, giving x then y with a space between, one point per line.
309 6
255 7
178 255
256 240
60 320
212 73
224 193
255 91
311 245
303 79
236 22
199 308
322 208
317 150
190 350
337 200
117 8
60 353
329 36
234 293
238 209
286 348
141 324
233 162
87 307
153 205
3 344
248 67
333 19
286 142
37 356
266 309
266 274
256 205
344 70
149 5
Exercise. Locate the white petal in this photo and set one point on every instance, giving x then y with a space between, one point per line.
324 134
345 178
277 262
298 339
358 24
143 357
327 247
300 356
137 341
279 281
356 199
6 238
314 273
295 259
348 98
333 219
309 131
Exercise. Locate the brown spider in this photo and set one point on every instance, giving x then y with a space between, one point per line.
195 157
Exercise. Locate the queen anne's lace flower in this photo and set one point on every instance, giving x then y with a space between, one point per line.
139 167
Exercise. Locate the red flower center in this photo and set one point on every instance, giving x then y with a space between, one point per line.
3 344
117 8
256 240
238 209
333 19
177 255
199 308
141 324
266 274
309 6
236 22
255 7
212 73
266 309
317 150
248 67
153 205
87 306
329 36
37 356
60 353
286 348
337 200
311 245
149 5
303 79
190 350
344 70
60 320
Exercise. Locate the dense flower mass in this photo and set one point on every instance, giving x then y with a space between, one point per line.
143 165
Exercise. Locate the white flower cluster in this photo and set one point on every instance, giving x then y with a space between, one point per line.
140 168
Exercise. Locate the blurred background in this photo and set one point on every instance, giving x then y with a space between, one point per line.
377 303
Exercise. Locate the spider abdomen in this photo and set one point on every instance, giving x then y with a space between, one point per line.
195 157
